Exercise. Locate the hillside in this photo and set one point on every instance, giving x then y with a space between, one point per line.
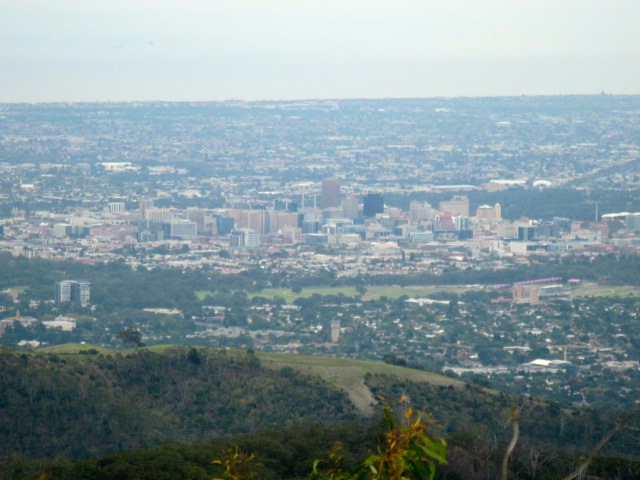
350 375
81 405
77 401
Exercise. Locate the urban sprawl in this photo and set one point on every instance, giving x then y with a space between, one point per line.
330 204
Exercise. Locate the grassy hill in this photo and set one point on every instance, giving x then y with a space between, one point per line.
344 374
350 375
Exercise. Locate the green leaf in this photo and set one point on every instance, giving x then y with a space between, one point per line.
433 454
389 418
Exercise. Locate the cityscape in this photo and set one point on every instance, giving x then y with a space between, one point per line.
375 229
319 240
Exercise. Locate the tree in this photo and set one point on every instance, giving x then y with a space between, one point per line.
131 337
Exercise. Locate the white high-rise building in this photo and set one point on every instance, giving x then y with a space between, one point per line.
116 207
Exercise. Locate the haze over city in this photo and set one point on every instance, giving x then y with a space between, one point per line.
214 50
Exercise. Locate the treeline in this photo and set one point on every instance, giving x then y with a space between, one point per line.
604 269
86 405
282 453
289 453
116 287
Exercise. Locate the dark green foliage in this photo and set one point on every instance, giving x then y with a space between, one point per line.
474 421
290 453
131 337
280 454
91 404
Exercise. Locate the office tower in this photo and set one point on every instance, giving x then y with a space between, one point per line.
258 220
197 215
116 207
224 225
183 230
73 291
242 238
158 214
335 331
62 230
351 207
83 292
527 233
279 220
462 223
489 214
330 193
373 203
145 204
419 211
63 291
458 206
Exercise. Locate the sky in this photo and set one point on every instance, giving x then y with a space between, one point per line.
202 50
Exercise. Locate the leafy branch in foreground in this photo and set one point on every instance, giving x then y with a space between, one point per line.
406 453
237 465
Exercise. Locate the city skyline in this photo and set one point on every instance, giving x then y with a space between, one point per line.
199 50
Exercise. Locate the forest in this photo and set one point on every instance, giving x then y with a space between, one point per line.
167 413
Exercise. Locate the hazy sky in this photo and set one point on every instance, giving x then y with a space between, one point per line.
85 50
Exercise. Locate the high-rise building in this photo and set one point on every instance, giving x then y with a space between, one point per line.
197 215
527 233
632 222
158 214
335 331
145 204
62 230
330 193
83 292
116 207
73 291
419 211
224 225
462 223
242 238
372 204
458 206
351 207
489 214
63 291
183 230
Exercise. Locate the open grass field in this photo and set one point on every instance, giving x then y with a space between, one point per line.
17 290
372 292
74 349
595 290
349 375
415 291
